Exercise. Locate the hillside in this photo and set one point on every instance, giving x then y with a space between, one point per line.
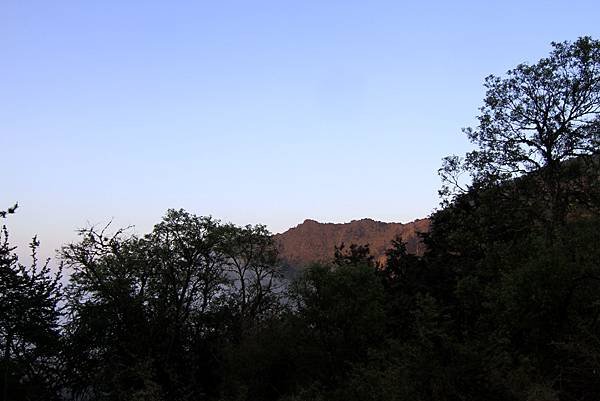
312 241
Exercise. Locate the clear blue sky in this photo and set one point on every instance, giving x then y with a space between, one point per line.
250 111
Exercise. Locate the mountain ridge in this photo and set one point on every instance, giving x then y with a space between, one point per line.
313 241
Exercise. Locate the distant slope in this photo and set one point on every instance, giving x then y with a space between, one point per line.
312 241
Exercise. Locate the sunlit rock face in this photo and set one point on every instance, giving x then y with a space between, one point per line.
312 241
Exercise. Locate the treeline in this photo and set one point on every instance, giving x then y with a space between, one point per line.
503 305
198 310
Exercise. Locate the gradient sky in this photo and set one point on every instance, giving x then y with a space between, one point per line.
251 111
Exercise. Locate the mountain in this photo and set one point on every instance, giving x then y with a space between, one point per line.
312 241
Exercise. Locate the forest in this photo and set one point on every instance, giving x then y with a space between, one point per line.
503 305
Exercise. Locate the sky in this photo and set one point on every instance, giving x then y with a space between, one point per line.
250 111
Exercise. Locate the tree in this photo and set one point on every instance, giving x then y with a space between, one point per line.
353 255
188 275
340 316
29 324
537 119
10 210
151 317
108 332
251 262
142 308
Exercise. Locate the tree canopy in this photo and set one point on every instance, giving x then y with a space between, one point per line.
537 118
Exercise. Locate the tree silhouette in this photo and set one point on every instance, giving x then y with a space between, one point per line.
30 297
10 210
352 255
535 119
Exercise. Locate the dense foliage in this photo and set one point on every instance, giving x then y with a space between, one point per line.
504 304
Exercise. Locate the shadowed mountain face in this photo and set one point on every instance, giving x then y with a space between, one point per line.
312 241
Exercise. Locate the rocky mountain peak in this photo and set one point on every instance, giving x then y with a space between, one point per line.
312 241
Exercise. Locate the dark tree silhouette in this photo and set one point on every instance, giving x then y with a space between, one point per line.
10 210
535 119
352 255
30 298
